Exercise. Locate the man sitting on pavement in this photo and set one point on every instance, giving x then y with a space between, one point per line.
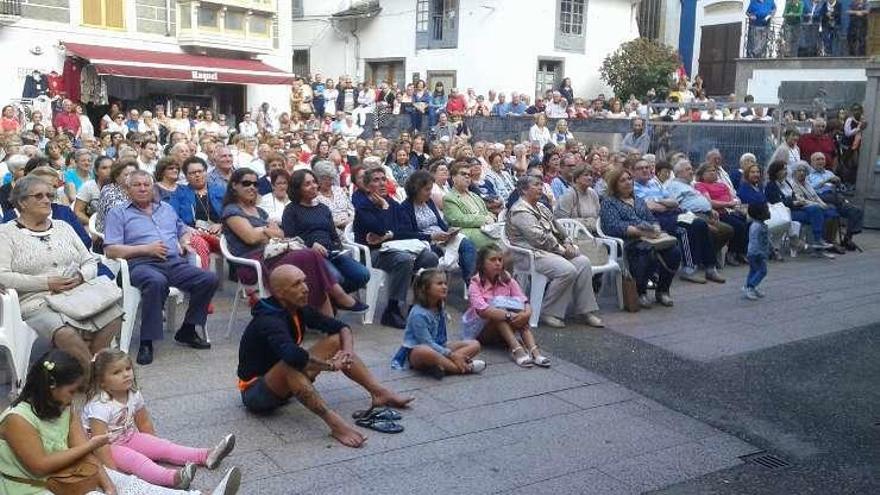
273 366
149 235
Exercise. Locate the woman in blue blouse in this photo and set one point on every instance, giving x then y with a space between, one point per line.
438 103
750 189
312 221
627 217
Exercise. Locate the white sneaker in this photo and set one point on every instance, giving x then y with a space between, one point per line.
187 474
229 484
477 366
759 292
220 452
749 294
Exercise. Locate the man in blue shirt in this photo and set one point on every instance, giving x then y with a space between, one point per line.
150 235
825 183
759 13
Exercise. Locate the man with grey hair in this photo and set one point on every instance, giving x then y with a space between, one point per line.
703 249
222 166
826 185
149 234
557 107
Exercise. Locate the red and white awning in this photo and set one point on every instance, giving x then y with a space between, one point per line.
177 66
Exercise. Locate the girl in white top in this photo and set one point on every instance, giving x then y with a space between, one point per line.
117 408
539 131
179 123
330 95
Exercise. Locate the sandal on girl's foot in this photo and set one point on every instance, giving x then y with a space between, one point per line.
524 360
383 413
539 359
220 451
380 425
186 474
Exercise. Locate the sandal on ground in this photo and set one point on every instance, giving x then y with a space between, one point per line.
524 361
380 425
383 413
539 359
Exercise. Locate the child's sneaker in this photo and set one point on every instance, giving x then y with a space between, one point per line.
229 484
186 474
219 452
759 292
477 366
749 293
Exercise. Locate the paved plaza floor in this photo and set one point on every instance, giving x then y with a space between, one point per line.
560 430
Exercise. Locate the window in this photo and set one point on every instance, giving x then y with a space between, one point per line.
570 25
301 62
297 9
234 21
208 17
549 76
436 24
104 13
259 25
649 19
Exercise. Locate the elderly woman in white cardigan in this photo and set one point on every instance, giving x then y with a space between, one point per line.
40 257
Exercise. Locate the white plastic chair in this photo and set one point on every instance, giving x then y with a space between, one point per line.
131 302
361 254
576 230
241 290
16 337
537 282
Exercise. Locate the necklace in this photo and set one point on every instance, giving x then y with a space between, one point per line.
203 201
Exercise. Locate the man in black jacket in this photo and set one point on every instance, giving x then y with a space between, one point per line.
273 367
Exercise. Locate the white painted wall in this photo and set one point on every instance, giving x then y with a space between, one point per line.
764 83
499 42
17 40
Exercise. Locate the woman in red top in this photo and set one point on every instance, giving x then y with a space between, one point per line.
8 123
725 202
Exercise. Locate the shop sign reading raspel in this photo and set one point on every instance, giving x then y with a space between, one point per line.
204 76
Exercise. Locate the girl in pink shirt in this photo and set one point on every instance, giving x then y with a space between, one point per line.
500 311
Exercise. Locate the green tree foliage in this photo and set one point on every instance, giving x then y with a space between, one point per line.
639 65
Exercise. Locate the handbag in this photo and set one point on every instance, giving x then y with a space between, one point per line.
630 293
277 247
412 246
86 299
661 242
779 215
77 479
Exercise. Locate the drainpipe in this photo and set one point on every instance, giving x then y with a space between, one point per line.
357 50
167 17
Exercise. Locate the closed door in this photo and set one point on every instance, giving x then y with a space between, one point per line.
719 47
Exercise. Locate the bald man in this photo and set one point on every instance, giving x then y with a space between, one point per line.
273 366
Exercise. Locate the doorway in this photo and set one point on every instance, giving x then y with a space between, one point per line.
548 77
719 49
390 71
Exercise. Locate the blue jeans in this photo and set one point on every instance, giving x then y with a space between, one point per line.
350 274
757 270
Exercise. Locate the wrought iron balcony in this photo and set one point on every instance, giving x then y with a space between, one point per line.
10 12
804 39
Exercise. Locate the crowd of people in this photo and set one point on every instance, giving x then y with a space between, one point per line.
293 194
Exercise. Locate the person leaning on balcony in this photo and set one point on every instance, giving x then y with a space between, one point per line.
759 13
811 19
830 13
858 27
791 18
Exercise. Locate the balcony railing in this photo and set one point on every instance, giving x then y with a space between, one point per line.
780 40
10 7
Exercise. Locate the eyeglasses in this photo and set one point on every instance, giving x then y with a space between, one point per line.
41 196
248 183
197 171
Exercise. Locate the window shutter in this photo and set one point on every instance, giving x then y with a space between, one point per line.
115 14
91 12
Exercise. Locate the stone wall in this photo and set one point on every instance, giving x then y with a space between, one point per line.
151 15
46 10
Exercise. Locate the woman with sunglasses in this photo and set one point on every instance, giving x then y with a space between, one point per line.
248 230
40 256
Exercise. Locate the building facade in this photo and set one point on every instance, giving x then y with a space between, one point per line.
525 46
230 54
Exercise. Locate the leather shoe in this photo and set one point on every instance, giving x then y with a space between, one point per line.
145 355
393 319
552 322
594 321
191 339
